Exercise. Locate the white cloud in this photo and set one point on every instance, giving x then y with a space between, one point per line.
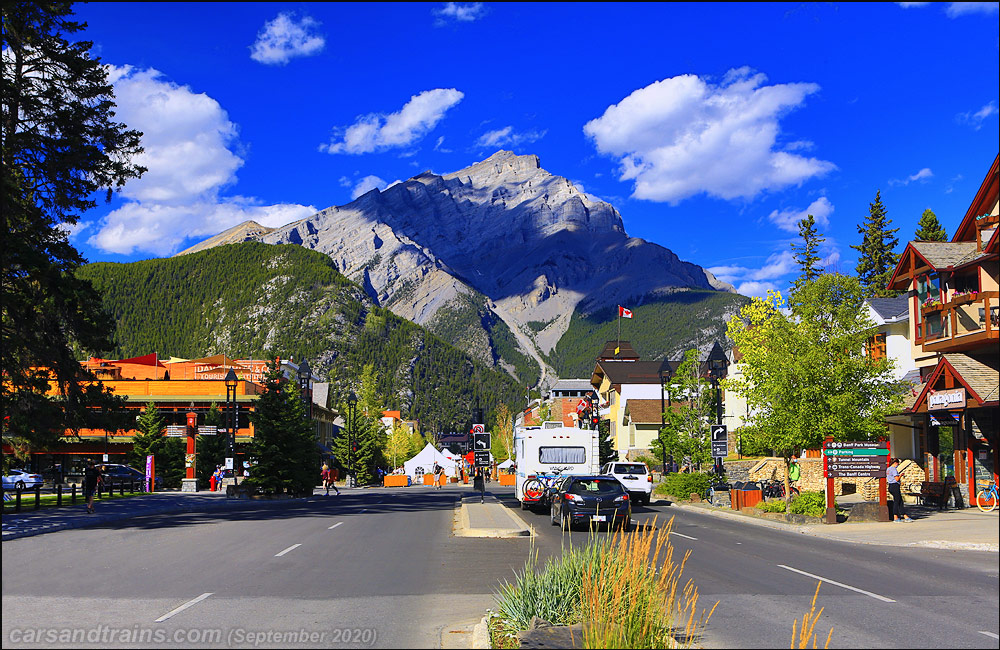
956 9
284 38
378 132
367 184
684 136
776 273
921 176
789 219
507 136
975 120
462 12
188 141
910 5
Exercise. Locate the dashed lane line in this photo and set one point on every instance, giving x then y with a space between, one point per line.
990 634
290 548
178 610
684 536
335 525
839 584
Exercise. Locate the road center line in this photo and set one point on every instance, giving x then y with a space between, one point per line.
683 535
839 584
335 525
990 634
290 548
193 601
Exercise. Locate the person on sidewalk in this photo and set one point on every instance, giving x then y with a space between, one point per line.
438 470
892 481
91 479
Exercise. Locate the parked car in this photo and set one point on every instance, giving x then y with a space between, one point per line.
18 478
115 474
636 478
590 499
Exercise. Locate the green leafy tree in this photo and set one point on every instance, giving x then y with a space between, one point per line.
877 259
364 430
211 450
929 228
807 253
284 443
502 438
60 146
397 445
685 432
806 375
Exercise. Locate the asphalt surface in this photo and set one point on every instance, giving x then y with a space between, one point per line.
367 568
381 568
763 579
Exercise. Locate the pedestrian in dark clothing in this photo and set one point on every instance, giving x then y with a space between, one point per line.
892 482
91 479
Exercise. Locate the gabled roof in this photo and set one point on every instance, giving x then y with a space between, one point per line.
625 351
985 199
890 309
644 411
573 384
630 372
982 381
942 255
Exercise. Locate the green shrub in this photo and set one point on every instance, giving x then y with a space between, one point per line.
812 504
776 505
682 486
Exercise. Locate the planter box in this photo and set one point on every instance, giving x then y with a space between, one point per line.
508 479
396 480
428 479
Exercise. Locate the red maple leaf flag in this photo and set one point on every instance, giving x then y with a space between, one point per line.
624 313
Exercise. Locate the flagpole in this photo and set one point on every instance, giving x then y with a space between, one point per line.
618 349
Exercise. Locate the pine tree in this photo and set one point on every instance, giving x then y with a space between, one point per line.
606 448
149 432
929 228
807 253
877 261
60 147
284 440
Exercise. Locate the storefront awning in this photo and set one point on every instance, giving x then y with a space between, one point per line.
956 372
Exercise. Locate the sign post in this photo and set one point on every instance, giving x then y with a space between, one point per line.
855 459
481 456
720 441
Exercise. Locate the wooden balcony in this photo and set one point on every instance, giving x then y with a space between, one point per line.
963 323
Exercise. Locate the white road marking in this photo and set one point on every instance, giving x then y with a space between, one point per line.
839 584
683 535
193 601
290 548
990 634
362 510
335 525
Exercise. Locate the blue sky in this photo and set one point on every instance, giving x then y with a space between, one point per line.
711 127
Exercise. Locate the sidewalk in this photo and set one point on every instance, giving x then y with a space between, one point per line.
968 529
46 520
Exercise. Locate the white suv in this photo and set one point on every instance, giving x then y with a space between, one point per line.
636 478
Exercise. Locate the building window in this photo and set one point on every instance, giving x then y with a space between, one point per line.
876 346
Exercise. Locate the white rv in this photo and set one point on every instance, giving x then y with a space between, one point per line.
544 453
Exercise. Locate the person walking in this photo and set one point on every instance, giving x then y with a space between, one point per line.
327 476
438 470
91 479
892 481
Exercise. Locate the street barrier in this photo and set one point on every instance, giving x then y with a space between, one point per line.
428 479
396 480
508 479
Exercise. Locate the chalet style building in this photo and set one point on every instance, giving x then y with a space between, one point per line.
954 305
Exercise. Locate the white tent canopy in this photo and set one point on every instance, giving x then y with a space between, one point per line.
504 465
423 463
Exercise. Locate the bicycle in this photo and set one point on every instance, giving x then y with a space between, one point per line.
987 498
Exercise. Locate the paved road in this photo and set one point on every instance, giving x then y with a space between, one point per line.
382 567
890 597
378 565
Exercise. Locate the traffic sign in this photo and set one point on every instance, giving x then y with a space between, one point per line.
481 442
858 444
859 453
478 428
720 441
482 459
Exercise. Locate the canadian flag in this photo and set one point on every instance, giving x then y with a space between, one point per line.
624 313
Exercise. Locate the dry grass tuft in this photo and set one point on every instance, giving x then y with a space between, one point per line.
809 620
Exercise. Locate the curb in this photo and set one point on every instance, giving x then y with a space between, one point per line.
812 532
481 634
463 529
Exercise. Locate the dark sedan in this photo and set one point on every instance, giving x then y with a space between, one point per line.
592 500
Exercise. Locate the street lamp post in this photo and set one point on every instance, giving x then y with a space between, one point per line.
352 404
231 382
